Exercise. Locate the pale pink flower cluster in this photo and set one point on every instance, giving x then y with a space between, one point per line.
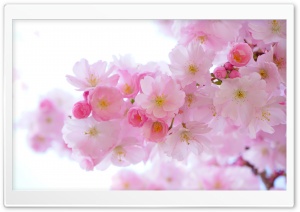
174 176
213 117
46 122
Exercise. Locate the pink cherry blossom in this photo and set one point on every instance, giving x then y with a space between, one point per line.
128 151
39 142
279 58
106 103
126 68
129 85
211 34
89 76
240 54
167 175
50 119
127 180
191 64
271 114
268 30
89 138
268 72
161 97
239 97
186 138
155 130
81 110
136 117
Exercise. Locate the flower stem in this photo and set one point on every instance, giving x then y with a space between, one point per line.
171 123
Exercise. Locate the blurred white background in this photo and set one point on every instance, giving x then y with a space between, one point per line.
43 53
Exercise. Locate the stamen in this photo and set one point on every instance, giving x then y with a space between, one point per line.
265 115
202 38
160 100
92 80
120 152
263 74
157 127
103 104
189 99
275 26
92 132
240 95
127 89
264 151
193 69
185 137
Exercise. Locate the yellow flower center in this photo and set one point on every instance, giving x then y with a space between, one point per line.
264 151
237 56
120 152
127 89
157 127
185 137
202 38
240 95
169 179
282 149
160 100
263 74
265 115
40 139
279 62
193 69
48 120
275 26
103 104
92 132
218 185
92 80
126 185
189 99
213 110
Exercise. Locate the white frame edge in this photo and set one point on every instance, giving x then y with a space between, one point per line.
93 198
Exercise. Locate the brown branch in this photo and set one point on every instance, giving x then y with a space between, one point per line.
268 181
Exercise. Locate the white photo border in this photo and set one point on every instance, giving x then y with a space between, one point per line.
93 198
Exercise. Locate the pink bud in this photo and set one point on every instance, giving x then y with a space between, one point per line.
240 54
228 66
86 95
220 72
81 110
234 74
136 117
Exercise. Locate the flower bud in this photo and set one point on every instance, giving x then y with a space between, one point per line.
81 110
234 74
136 117
220 72
240 54
228 66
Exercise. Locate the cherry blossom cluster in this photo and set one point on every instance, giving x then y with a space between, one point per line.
218 107
46 121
